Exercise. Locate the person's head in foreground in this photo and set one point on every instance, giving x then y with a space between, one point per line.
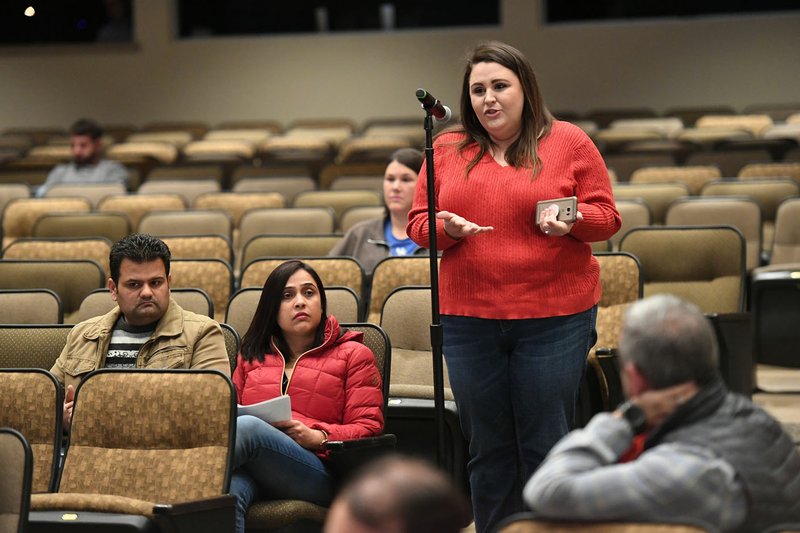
666 341
397 494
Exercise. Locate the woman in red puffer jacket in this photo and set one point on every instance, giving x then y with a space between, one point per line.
292 347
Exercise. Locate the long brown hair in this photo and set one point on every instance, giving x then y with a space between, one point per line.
536 119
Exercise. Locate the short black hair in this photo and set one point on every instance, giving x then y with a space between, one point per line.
140 248
87 127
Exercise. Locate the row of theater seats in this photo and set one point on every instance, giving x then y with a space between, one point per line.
710 273
158 471
341 137
758 137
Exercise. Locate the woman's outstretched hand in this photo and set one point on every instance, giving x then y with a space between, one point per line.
457 227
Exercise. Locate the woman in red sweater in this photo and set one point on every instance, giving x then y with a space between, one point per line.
293 348
518 294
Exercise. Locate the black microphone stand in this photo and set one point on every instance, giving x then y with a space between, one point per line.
436 326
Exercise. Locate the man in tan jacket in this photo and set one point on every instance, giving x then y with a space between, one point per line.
147 329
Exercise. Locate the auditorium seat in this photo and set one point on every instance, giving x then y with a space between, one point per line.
786 244
166 472
694 177
94 248
769 193
32 403
30 306
743 213
333 271
135 206
711 270
189 189
112 226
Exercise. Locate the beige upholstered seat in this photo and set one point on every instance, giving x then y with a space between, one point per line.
94 248
769 193
119 464
143 151
283 221
94 192
233 150
12 191
786 246
711 269
288 246
187 222
393 272
31 345
72 279
406 318
354 215
195 128
656 196
338 200
30 306
21 214
624 163
634 213
289 221
189 189
199 247
371 149
15 479
743 213
288 187
32 403
693 177
370 183
112 226
333 171
190 172
214 276
237 203
771 170
251 135
135 206
532 525
333 271
343 303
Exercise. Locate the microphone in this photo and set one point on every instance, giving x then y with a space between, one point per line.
439 111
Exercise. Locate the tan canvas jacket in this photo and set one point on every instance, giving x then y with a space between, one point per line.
181 340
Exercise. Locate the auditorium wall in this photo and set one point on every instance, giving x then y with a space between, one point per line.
723 60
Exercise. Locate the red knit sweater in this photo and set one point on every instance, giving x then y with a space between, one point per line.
516 271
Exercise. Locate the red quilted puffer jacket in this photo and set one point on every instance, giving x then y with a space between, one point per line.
335 387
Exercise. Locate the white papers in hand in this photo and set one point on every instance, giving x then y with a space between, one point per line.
274 410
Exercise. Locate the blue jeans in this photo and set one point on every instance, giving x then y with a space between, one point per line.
515 383
270 465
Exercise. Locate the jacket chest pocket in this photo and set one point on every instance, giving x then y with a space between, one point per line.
169 357
76 367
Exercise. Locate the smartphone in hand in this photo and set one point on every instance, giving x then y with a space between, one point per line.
567 208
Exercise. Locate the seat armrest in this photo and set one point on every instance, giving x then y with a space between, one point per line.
211 515
347 456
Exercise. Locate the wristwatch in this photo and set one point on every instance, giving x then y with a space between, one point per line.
634 415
